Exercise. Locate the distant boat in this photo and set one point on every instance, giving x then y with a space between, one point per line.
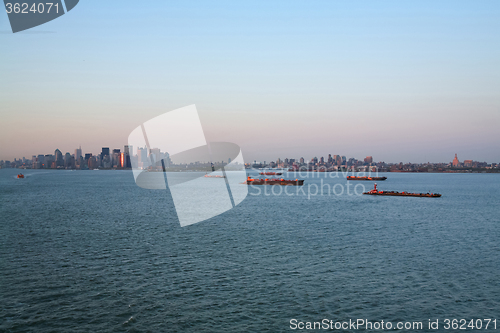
20 175
275 181
271 173
213 176
375 191
365 178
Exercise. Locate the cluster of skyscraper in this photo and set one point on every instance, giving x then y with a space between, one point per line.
337 162
149 159
331 162
107 159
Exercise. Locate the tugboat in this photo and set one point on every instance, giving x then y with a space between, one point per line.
271 173
275 181
365 178
213 176
375 191
20 175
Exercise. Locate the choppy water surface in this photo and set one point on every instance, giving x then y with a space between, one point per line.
89 251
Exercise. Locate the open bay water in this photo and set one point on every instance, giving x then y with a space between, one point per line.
89 251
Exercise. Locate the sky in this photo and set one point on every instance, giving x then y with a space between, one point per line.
402 81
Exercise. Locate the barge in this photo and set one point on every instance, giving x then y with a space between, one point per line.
365 178
274 181
375 191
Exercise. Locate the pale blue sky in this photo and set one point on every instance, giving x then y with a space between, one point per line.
402 81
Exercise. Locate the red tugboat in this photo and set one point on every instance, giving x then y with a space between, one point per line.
275 181
20 175
271 173
365 178
375 191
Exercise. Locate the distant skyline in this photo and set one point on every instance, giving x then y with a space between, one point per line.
307 158
401 81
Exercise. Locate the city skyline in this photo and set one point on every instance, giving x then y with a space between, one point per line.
269 156
118 158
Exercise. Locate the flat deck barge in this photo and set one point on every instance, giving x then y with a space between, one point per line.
375 191
365 178
274 181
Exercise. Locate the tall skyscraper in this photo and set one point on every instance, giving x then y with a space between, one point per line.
106 162
67 161
78 153
155 154
91 162
142 154
123 160
456 162
126 157
40 158
166 157
104 152
115 160
48 160
78 158
58 158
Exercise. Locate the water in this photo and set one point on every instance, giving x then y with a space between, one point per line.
89 251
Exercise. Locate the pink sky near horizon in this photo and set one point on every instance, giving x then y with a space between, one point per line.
398 81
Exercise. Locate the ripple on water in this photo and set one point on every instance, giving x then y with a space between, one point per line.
90 251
